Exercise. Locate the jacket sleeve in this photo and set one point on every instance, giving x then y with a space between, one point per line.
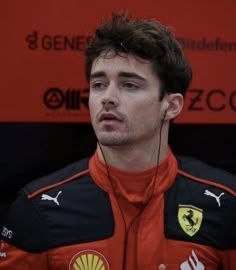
229 258
13 258
24 237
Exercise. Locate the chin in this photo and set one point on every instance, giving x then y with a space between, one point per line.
112 137
112 140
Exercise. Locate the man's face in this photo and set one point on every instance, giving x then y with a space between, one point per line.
124 100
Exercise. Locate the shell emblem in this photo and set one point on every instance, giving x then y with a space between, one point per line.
88 260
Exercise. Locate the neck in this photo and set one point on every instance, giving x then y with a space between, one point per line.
137 157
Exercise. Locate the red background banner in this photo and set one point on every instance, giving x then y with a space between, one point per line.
42 62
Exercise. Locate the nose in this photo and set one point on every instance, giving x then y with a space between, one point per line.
110 98
108 103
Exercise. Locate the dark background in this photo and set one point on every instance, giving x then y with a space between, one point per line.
31 150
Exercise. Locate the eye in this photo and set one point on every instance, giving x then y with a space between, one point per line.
130 86
97 85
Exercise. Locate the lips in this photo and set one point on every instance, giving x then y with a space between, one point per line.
108 117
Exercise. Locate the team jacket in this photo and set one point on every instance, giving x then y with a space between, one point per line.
72 220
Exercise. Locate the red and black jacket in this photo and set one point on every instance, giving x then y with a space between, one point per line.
191 225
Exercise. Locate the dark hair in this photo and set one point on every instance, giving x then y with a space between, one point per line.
147 39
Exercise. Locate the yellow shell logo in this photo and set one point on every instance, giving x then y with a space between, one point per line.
89 260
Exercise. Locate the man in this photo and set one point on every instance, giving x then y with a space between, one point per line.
132 205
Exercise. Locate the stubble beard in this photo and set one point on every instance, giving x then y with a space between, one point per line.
109 137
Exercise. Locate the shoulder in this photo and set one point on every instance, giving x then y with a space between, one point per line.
198 171
58 178
200 206
53 211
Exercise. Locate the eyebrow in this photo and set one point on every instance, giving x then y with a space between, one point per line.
97 74
124 74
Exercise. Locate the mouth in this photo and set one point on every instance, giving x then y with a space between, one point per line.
109 117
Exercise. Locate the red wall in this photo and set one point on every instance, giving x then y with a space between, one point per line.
42 64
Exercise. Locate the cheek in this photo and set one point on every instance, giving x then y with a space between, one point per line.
147 110
91 104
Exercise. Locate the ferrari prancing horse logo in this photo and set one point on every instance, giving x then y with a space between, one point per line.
190 218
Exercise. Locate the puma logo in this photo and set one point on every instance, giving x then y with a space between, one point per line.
49 198
209 193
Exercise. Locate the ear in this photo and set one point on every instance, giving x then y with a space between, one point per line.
174 104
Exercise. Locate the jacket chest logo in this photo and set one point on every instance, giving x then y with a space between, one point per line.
50 198
190 218
192 263
88 260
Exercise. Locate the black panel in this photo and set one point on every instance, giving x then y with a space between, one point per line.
216 227
83 214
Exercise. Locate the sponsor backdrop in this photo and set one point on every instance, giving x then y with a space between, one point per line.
44 118
42 44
